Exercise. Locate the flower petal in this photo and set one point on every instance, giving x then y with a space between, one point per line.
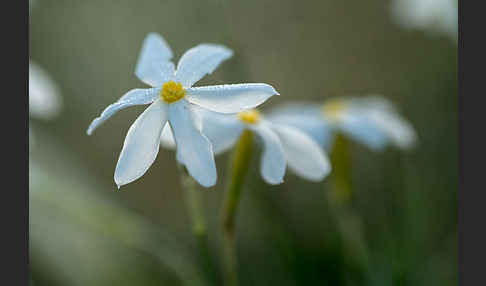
273 162
383 113
357 125
371 102
193 148
133 97
304 156
222 130
167 138
306 117
200 60
399 130
44 99
141 144
230 98
154 66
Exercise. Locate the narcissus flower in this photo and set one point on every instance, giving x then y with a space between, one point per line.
172 101
282 144
371 120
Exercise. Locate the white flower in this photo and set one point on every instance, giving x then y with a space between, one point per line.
172 101
44 99
282 144
438 16
371 120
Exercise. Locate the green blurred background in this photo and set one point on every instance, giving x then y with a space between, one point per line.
83 232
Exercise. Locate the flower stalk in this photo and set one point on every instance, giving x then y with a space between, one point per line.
341 179
193 201
349 223
239 165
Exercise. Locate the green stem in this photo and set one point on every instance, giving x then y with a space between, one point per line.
342 189
349 223
193 200
240 162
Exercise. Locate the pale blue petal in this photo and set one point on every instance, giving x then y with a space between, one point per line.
230 98
193 148
362 129
167 138
133 97
306 117
154 66
304 156
383 113
141 144
371 102
200 60
273 162
223 130
399 130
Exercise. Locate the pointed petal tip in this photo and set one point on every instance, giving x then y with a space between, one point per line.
118 180
226 49
91 128
220 46
120 184
274 91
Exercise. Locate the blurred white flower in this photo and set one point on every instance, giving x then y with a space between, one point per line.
44 98
371 120
172 101
282 144
436 16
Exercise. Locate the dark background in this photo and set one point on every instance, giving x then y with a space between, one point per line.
82 232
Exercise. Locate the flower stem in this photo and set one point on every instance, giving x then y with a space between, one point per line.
349 223
342 189
193 200
239 165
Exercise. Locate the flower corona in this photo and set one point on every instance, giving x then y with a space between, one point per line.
172 92
334 109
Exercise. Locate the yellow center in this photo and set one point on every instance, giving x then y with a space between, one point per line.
334 108
251 116
172 92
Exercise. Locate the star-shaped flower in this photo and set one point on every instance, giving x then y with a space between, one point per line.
371 120
172 100
282 144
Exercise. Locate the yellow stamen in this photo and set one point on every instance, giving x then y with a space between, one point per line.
251 116
172 92
334 108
